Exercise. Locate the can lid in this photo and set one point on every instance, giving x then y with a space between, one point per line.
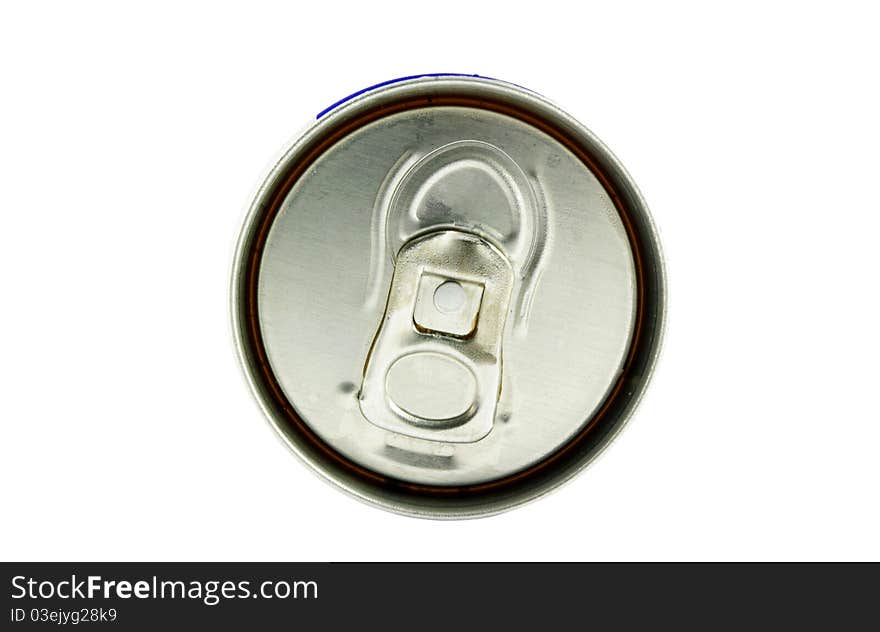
448 295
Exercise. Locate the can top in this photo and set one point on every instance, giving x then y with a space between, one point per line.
448 296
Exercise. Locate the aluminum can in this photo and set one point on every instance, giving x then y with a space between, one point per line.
448 296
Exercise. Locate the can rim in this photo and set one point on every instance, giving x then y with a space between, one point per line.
463 501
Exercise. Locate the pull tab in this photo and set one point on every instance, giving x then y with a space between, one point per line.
434 371
465 234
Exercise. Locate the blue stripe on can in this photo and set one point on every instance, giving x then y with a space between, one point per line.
398 80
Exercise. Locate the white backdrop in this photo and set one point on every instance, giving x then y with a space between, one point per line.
131 141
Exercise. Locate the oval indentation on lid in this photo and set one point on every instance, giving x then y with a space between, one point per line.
431 389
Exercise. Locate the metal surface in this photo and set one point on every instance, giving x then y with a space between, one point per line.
448 297
440 351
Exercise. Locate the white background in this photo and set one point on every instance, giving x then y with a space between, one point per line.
132 139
